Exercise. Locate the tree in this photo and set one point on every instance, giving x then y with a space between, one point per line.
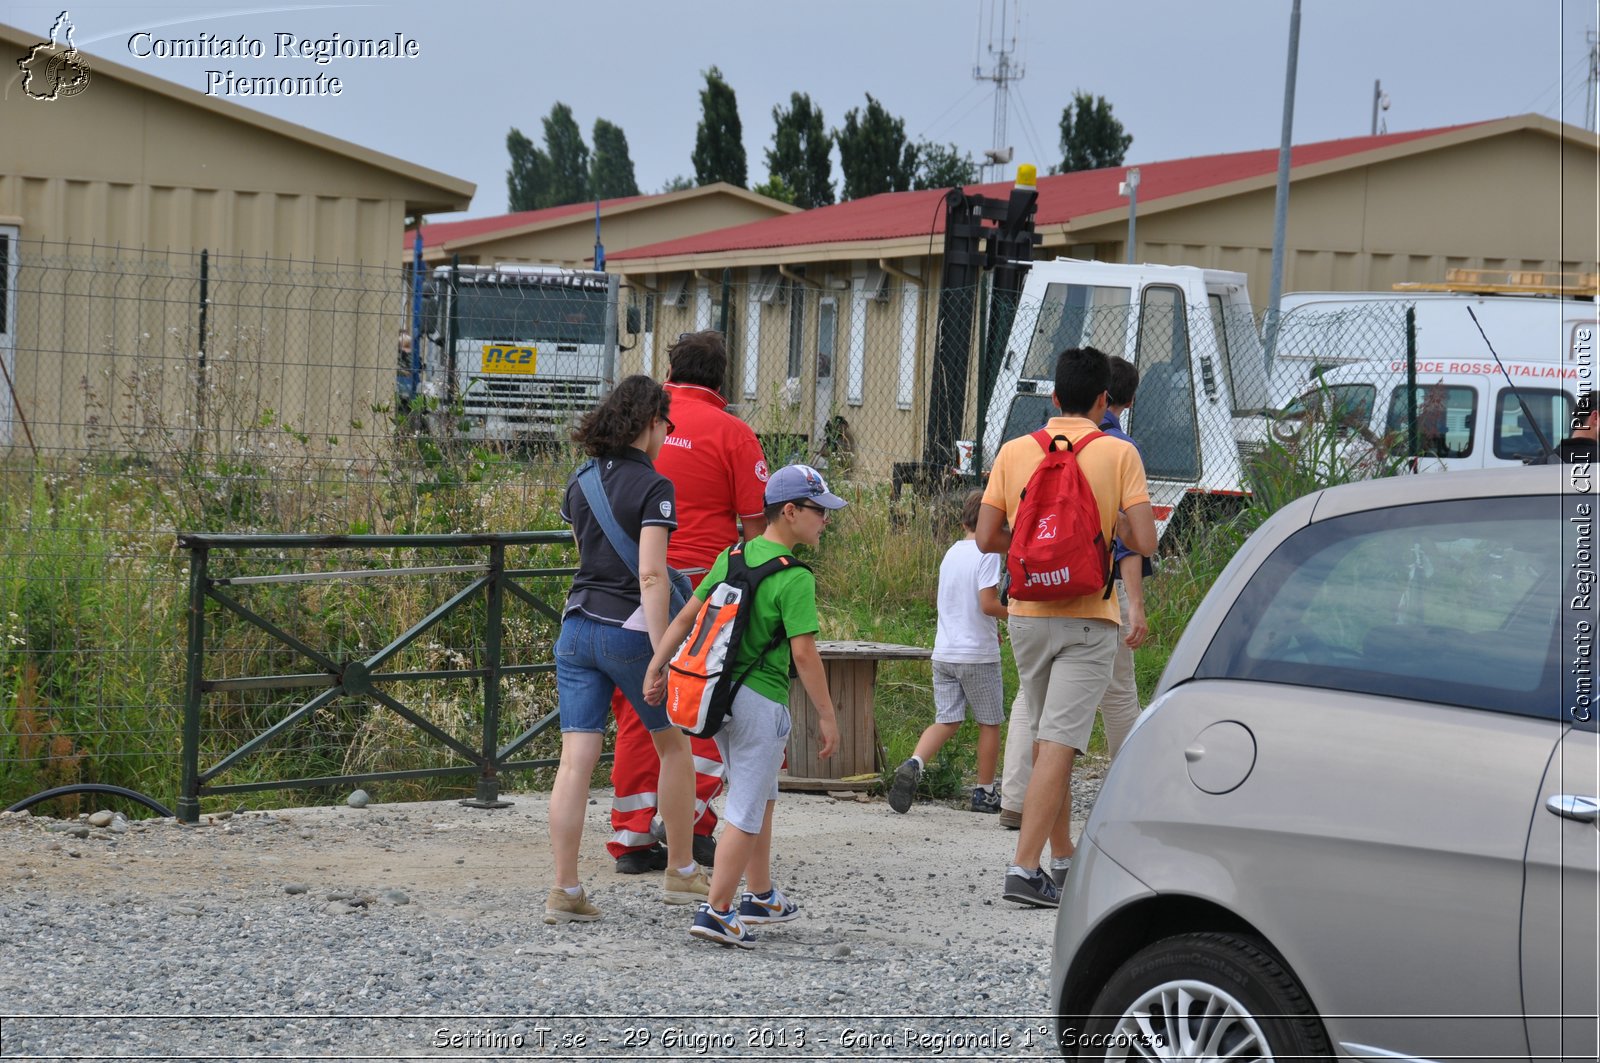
719 141
611 168
568 156
1091 138
943 166
525 180
873 152
800 156
680 183
777 188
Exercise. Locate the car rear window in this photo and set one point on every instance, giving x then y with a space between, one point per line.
1457 602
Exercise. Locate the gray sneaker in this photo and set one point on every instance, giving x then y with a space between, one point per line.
1034 888
904 788
987 801
1058 874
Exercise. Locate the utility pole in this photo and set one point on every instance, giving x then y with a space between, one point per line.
1004 71
1280 212
1380 102
1591 97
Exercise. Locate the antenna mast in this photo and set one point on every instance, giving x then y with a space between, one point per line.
1590 99
1004 69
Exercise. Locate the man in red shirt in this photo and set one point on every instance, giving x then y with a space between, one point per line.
719 475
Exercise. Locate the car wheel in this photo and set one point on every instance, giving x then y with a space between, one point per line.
1204 997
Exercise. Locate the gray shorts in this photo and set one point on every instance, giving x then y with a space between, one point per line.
1064 667
752 744
956 686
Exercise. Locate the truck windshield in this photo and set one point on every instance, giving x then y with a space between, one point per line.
528 313
1077 315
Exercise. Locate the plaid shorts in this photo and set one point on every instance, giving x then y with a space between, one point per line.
957 686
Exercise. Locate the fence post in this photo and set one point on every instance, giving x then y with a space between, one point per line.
189 797
727 294
200 373
488 790
1411 384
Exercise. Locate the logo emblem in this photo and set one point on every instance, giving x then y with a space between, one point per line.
666 509
761 470
55 69
1046 528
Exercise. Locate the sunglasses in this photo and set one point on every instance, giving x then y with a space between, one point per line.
671 428
814 508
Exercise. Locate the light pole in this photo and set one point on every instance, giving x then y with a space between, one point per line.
1130 188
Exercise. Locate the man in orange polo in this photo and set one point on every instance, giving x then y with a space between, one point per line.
1064 648
719 475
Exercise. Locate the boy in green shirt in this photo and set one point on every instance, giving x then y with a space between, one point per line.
798 505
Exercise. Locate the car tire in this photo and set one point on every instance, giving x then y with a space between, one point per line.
1203 996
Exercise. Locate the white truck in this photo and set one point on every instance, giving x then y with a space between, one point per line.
1342 359
1192 334
516 353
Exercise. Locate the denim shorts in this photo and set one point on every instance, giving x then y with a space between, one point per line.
592 659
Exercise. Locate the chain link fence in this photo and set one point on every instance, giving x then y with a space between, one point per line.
147 393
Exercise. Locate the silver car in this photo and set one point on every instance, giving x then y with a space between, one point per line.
1358 819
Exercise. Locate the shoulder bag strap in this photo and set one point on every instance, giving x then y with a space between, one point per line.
600 506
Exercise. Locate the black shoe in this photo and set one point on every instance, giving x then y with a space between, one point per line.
1034 888
641 861
903 790
705 850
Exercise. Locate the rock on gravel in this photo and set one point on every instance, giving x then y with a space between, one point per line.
422 934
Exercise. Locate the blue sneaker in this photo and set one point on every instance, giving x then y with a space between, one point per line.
722 928
986 800
769 907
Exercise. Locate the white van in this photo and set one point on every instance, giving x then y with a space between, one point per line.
1342 358
1321 330
1468 414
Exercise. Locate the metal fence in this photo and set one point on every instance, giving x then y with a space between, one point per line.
150 393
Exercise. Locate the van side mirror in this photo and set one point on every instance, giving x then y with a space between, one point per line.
632 320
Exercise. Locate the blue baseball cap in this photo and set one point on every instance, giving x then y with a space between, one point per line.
801 483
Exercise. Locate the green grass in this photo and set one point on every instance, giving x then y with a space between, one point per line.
93 601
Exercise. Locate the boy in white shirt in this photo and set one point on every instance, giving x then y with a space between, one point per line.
966 666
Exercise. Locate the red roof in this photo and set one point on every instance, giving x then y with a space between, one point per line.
895 215
437 233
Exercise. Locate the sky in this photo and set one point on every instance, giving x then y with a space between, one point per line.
1184 78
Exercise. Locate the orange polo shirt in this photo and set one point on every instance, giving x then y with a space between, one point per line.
1116 476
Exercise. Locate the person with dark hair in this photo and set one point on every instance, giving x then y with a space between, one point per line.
1579 447
614 619
1064 648
966 665
1120 706
718 472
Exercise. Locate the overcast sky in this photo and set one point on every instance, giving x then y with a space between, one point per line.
1184 78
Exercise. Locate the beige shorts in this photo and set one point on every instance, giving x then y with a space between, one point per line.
1064 667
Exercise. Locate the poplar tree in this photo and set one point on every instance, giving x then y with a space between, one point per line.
874 152
719 141
611 168
525 180
568 157
800 157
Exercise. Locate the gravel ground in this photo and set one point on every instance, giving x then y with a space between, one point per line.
415 930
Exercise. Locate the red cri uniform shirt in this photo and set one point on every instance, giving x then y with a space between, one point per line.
717 469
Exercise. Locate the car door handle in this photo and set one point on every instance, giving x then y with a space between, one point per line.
1574 806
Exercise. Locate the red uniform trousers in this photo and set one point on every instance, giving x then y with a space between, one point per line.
634 772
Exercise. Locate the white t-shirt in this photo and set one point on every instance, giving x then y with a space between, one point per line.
966 634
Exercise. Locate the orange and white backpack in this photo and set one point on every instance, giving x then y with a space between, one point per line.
701 681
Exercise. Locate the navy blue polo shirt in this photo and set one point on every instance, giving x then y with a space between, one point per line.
605 589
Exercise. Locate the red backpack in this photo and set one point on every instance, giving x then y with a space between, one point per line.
1058 549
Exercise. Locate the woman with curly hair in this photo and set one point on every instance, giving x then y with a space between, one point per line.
611 625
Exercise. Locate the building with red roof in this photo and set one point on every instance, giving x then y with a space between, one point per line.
830 311
565 235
